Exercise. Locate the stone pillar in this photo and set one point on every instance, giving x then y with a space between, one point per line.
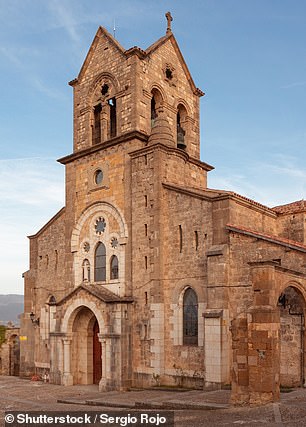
240 371
213 347
264 354
102 383
67 376
256 342
157 338
104 121
111 362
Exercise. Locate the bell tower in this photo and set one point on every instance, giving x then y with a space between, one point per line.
119 91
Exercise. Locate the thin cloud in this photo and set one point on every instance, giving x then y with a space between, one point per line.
11 56
46 89
284 165
20 58
31 192
30 182
65 19
294 84
272 183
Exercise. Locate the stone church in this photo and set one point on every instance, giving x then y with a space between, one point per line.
147 276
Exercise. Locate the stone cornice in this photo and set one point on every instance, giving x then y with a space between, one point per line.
291 244
172 150
103 145
197 193
276 265
244 201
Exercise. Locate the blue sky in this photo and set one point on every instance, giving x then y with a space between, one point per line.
249 57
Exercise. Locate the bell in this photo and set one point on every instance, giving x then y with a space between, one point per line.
181 138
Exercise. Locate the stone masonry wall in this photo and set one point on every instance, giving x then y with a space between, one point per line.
174 91
105 62
45 278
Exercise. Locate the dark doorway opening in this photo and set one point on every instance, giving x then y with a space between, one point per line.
97 354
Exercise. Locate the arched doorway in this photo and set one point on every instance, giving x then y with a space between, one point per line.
86 362
292 341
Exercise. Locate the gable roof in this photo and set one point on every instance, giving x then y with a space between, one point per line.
100 32
159 43
99 292
135 50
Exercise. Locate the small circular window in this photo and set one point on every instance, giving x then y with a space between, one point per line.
98 176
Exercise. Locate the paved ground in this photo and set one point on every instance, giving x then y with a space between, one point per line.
190 407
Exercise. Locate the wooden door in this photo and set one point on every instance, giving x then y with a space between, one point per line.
97 353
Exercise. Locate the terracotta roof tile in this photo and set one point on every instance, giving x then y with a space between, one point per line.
294 207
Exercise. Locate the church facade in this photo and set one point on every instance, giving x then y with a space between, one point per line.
146 276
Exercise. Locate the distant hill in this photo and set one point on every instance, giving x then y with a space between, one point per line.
11 306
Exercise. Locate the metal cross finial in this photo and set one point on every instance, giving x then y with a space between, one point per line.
169 19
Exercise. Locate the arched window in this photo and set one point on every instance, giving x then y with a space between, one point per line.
96 133
104 118
156 102
100 263
180 127
86 270
153 111
114 271
190 318
112 117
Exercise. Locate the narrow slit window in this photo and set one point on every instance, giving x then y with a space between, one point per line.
196 240
56 259
181 238
146 262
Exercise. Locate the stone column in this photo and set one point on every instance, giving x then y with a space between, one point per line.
102 383
67 376
104 121
111 362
